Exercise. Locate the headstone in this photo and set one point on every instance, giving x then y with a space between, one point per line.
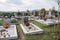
49 13
25 20
6 20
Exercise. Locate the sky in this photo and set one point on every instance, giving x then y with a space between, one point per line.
23 5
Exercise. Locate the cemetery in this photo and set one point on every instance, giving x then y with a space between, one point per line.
28 29
30 25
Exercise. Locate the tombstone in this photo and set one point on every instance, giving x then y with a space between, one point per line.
41 15
13 20
45 19
26 22
6 19
49 13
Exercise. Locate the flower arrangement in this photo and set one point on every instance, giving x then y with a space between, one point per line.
27 24
6 25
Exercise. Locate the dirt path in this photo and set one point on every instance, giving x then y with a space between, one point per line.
20 34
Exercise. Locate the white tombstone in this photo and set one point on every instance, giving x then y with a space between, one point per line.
49 13
34 13
58 1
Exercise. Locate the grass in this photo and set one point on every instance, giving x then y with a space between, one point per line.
1 22
48 33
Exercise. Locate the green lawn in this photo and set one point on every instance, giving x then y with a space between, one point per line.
48 33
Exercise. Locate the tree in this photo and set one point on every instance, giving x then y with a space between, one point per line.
43 10
43 13
53 10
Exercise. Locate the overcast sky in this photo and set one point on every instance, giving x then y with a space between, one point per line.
22 5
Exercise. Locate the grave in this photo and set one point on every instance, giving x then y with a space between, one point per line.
30 28
8 33
48 21
31 18
14 20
